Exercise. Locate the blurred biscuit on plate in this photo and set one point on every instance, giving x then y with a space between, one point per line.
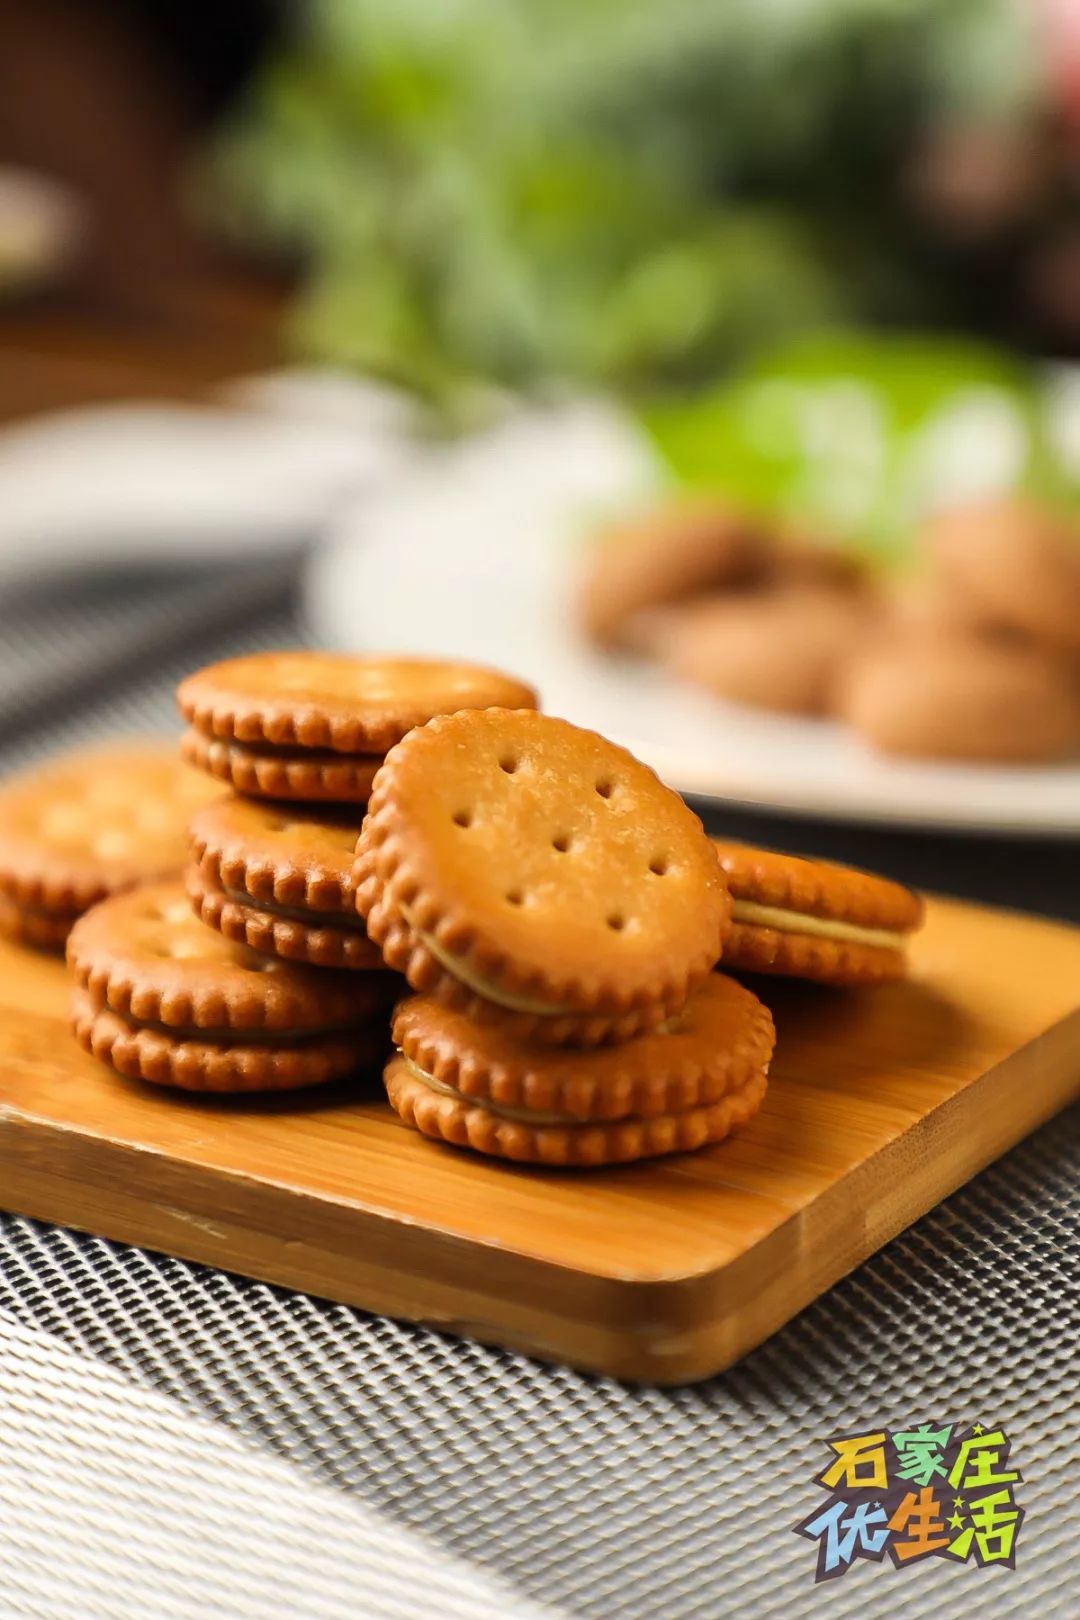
964 695
1017 563
778 650
687 549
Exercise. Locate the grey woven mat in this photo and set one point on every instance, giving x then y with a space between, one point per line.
180 1442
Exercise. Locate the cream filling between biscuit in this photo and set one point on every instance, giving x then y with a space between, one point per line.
239 1037
797 922
311 919
522 1116
474 981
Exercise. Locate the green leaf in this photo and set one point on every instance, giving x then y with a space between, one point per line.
859 436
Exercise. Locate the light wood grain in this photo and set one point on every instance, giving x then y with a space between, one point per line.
881 1103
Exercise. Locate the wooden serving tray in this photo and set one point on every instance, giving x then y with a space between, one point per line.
881 1102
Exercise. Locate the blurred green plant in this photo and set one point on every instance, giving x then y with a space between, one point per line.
530 194
856 437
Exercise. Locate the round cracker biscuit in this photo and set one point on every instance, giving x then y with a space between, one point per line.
29 925
811 919
90 824
322 944
165 1058
722 1038
754 949
463 1123
350 705
276 856
317 778
403 952
541 867
146 955
820 888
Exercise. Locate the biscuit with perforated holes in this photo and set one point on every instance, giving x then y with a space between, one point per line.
295 939
166 1057
159 994
310 776
810 919
280 881
349 705
722 1039
449 1117
88 825
510 859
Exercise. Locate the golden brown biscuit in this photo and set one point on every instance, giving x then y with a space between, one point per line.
88 825
1017 562
32 925
720 1041
963 697
267 773
662 557
275 856
145 954
509 858
451 1118
160 995
296 939
809 919
175 1057
774 649
925 604
795 559
280 881
330 701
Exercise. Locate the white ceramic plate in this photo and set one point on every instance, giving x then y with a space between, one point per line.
148 481
474 555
